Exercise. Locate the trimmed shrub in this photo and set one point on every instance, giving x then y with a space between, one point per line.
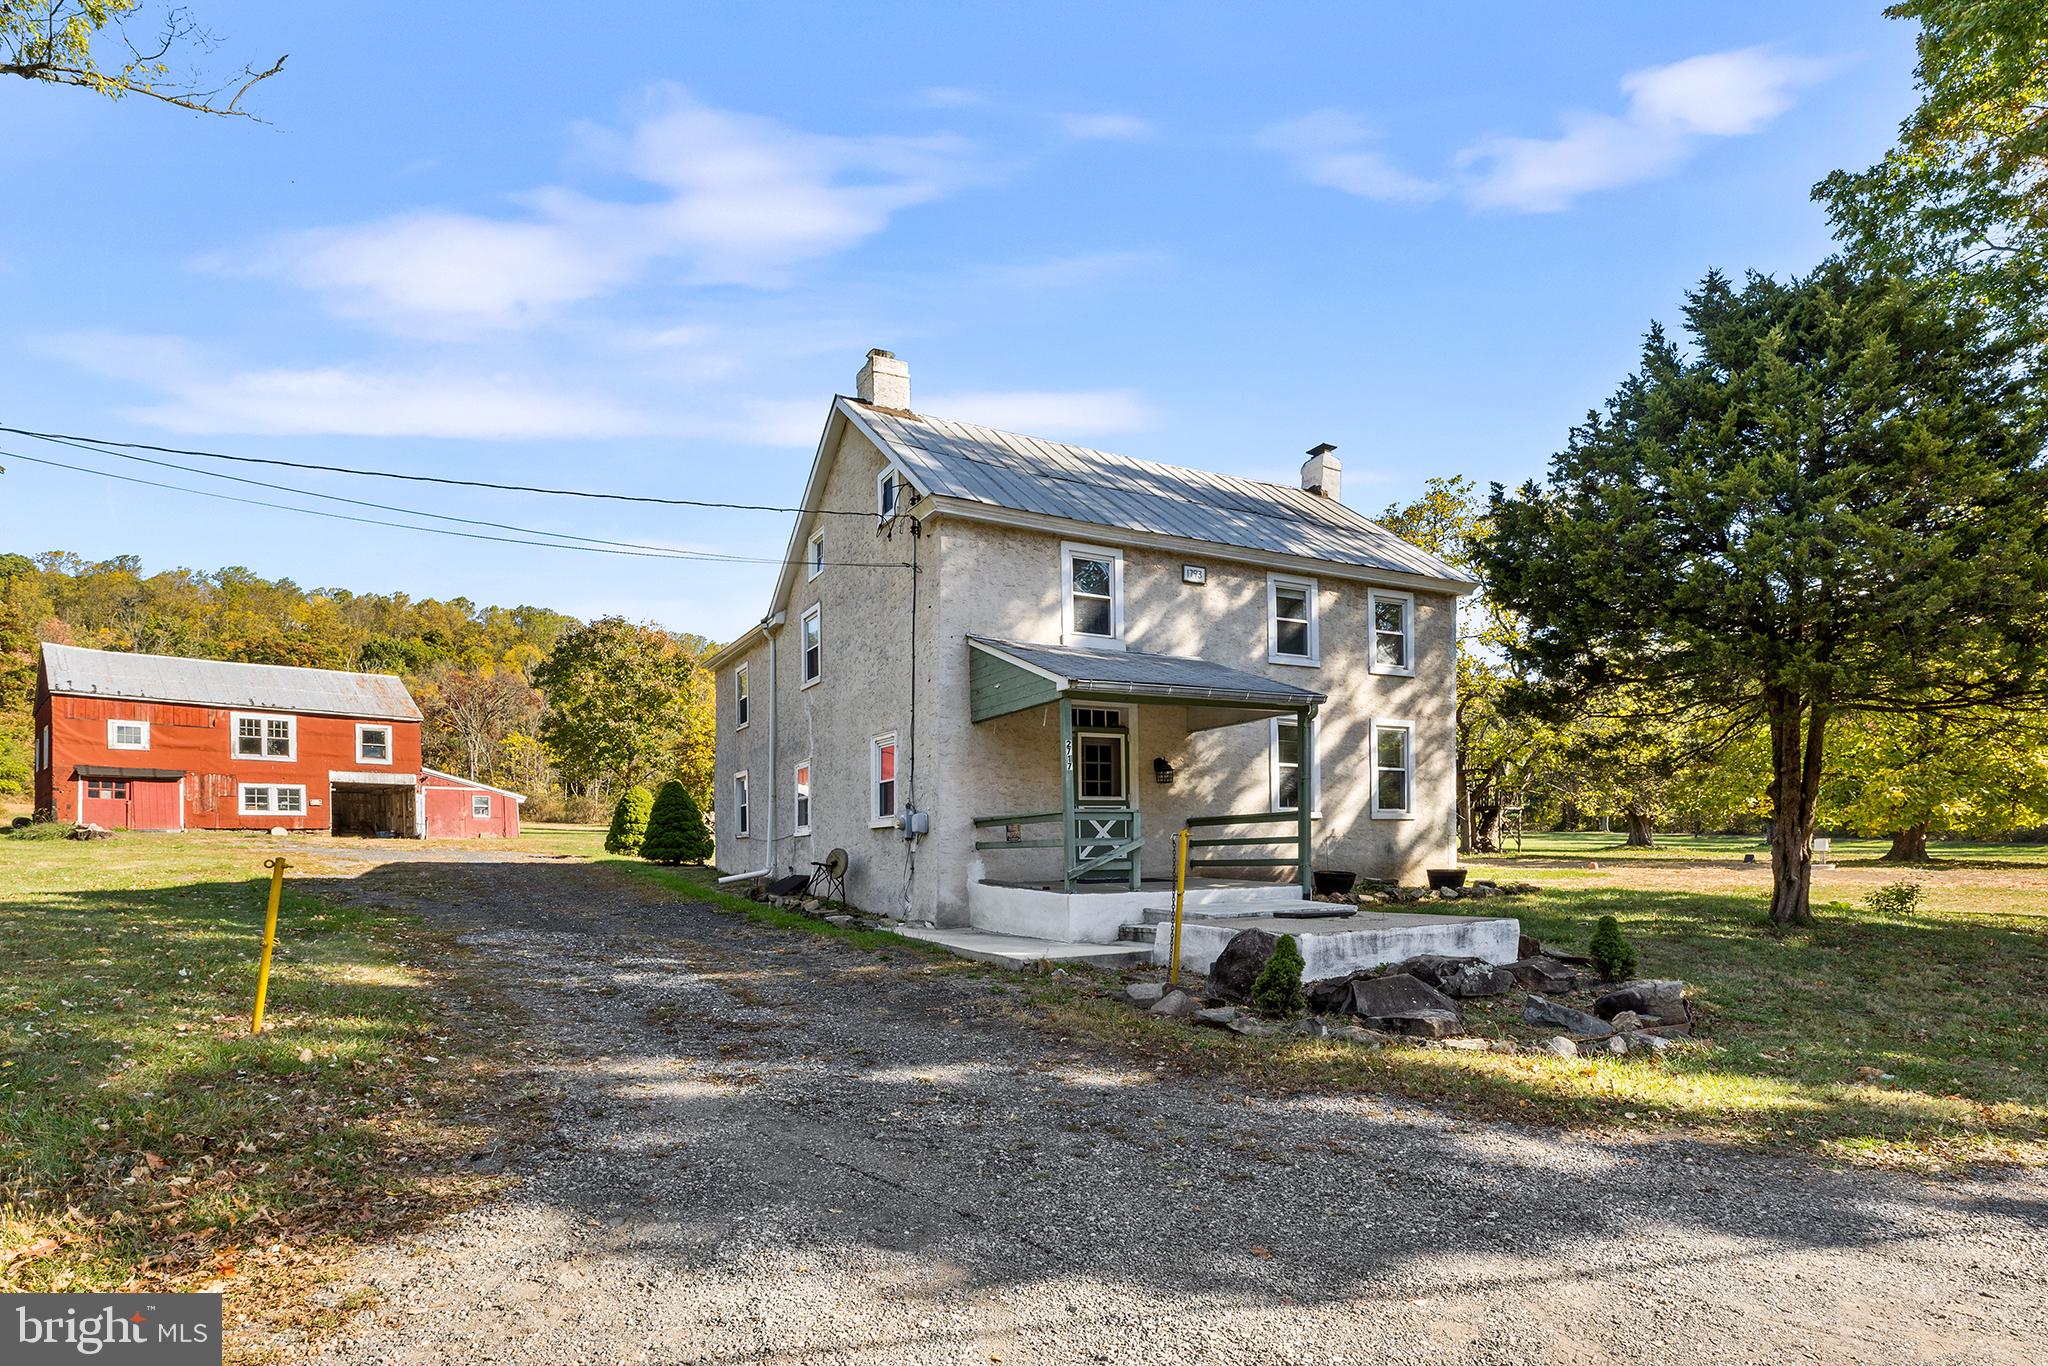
1277 993
1895 898
675 828
1610 950
629 821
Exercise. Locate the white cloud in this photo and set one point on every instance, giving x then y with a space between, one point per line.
737 200
1104 127
1340 150
1045 412
1670 109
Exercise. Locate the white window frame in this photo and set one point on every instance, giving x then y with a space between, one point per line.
114 723
1069 552
270 806
1386 813
876 820
1122 739
800 799
741 826
1315 767
1311 591
235 719
742 708
390 741
889 490
1373 599
43 748
813 615
479 806
814 556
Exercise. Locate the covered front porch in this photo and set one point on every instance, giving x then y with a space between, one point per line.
1103 856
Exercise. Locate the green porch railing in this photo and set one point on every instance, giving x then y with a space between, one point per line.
1099 839
1295 840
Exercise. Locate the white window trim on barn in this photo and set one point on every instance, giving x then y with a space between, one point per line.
114 727
273 799
1069 552
1310 592
363 756
480 806
235 719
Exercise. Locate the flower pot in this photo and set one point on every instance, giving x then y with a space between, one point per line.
1440 878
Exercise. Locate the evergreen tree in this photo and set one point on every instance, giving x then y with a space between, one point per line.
1277 992
675 828
629 821
1831 505
1610 950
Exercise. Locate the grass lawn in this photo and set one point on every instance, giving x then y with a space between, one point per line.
148 1141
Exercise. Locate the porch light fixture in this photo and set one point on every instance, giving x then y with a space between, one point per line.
1162 773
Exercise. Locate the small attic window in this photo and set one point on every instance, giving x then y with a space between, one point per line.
814 556
888 490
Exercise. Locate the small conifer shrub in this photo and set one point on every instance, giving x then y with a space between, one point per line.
1610 950
675 828
629 821
1276 992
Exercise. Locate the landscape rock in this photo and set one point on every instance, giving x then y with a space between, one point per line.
1218 1017
1662 1000
1144 993
1543 973
1256 1029
1541 1010
1400 1004
1239 965
1462 979
1627 1020
1175 1003
1560 1045
1528 946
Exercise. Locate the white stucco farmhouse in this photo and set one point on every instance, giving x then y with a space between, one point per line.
1002 672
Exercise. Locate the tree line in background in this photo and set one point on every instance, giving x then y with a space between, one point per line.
1794 573
566 712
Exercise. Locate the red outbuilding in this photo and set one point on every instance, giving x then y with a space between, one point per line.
155 742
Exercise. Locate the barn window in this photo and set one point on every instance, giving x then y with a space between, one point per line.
273 799
480 805
373 744
110 789
127 735
266 737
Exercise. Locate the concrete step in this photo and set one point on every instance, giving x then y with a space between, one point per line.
1139 934
1016 952
1273 904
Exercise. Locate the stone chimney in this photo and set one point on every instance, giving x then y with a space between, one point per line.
1323 473
884 381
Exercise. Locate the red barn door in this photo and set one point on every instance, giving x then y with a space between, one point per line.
153 804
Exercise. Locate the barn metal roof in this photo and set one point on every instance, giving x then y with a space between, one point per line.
219 683
1137 674
1002 469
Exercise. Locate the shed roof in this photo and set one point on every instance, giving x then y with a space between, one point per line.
1028 474
1135 674
220 683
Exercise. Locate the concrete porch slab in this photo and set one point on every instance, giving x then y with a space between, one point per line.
1338 946
1018 952
1095 915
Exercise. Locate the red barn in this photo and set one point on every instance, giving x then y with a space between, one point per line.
154 742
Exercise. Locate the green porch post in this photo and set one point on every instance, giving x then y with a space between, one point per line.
1305 794
1067 791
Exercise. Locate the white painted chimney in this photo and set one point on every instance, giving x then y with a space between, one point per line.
884 381
1323 473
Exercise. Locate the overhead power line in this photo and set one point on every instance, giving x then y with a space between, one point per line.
101 442
691 556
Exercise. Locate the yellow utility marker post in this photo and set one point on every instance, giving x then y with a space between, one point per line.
1180 891
276 867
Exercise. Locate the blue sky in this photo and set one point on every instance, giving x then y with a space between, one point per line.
483 241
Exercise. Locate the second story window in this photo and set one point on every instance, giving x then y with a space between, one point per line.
127 735
1092 610
1291 613
266 737
739 697
1393 632
813 641
373 744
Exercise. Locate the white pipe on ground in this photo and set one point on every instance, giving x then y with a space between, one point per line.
742 877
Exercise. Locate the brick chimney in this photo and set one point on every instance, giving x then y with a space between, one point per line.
1323 473
884 381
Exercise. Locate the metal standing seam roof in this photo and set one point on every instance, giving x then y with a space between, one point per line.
219 683
981 464
1133 671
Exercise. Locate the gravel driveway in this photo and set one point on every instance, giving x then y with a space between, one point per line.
777 1148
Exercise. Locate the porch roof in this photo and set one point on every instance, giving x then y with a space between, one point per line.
1008 676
